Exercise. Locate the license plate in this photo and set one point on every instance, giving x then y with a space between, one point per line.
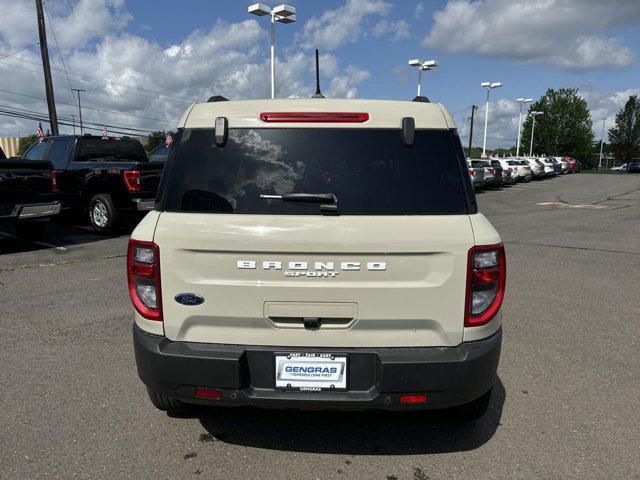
311 371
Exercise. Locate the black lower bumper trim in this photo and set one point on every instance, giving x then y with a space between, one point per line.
377 376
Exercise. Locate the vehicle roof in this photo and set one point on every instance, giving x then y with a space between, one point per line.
382 113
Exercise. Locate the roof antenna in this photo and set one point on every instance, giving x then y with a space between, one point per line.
318 94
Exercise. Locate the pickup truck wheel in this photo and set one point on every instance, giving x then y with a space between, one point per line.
473 410
31 230
168 404
103 214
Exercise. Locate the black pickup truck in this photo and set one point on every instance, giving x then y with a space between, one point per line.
100 178
27 195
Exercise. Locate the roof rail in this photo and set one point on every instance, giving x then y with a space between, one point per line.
217 98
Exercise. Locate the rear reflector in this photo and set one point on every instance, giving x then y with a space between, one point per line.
472 171
313 117
207 393
413 399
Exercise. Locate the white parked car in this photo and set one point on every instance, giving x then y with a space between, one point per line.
549 169
563 163
620 168
521 167
509 172
537 167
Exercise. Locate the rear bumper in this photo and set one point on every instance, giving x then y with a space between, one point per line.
33 210
376 376
144 204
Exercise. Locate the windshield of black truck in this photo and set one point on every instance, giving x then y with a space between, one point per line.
370 172
99 149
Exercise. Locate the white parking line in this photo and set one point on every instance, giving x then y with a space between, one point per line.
42 244
562 204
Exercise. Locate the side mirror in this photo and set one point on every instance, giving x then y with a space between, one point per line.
408 131
221 131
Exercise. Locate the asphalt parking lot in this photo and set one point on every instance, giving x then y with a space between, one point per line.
565 405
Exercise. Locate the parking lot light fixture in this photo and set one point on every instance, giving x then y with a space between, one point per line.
488 86
282 14
422 66
521 101
533 127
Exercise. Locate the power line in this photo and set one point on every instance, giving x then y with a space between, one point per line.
46 11
21 50
105 83
34 115
91 108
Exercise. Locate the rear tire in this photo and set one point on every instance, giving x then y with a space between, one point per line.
103 216
168 404
474 410
31 230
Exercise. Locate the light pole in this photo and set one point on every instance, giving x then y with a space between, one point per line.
601 144
521 101
488 86
281 14
533 127
422 66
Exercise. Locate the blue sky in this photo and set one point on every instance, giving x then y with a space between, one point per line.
191 49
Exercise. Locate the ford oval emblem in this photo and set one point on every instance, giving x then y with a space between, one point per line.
189 299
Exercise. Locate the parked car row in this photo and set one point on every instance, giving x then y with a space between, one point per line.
631 167
492 172
99 179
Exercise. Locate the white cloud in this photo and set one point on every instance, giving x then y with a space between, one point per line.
605 106
418 11
398 30
341 25
537 31
127 73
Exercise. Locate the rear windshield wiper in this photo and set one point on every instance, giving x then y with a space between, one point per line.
328 201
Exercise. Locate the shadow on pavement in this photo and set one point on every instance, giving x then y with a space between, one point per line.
59 233
352 433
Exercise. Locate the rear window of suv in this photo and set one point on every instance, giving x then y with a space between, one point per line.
369 171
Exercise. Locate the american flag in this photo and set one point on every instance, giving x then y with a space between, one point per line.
39 132
168 140
105 133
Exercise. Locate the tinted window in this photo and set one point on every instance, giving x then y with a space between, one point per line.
37 151
58 153
369 171
2 155
512 162
98 149
480 163
159 154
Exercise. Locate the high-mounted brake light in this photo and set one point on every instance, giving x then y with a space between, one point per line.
313 117
143 275
132 180
486 279
53 175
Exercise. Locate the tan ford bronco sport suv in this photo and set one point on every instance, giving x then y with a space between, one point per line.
315 253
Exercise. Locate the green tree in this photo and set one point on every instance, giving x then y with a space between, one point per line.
624 137
157 138
25 143
564 128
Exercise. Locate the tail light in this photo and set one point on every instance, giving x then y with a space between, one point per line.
314 117
492 170
472 171
132 180
53 175
486 278
143 274
510 169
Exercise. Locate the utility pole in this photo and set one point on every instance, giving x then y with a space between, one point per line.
79 108
73 120
48 85
473 110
